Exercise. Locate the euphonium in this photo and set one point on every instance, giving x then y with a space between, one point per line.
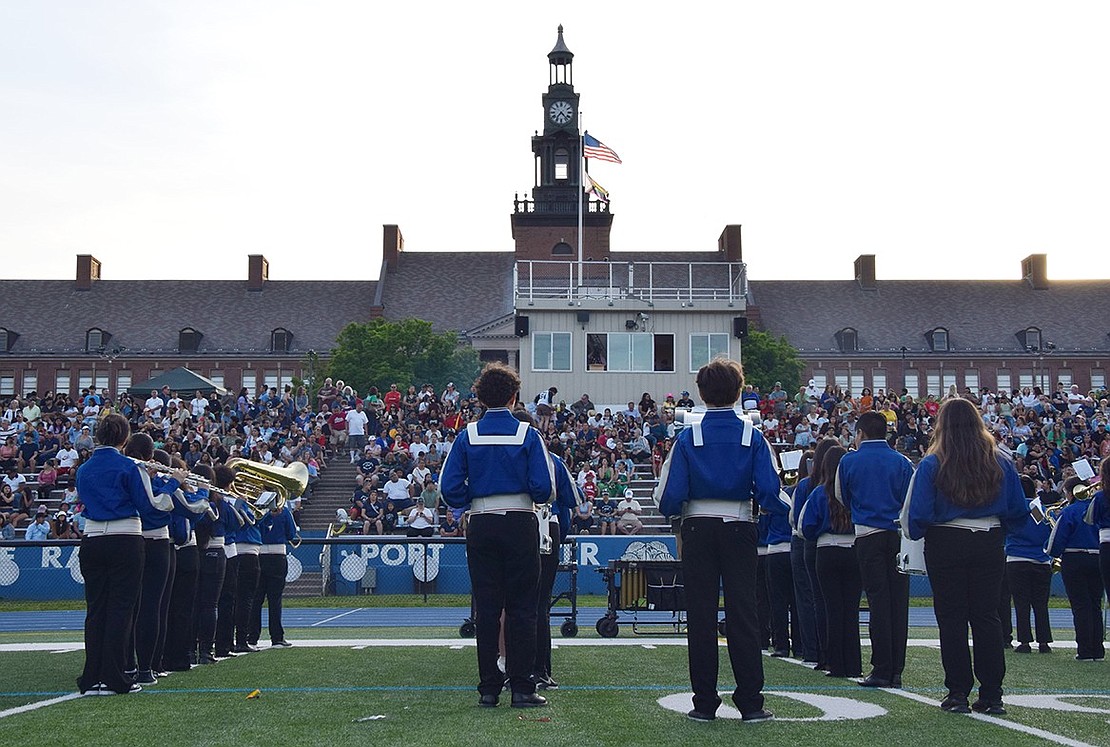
263 487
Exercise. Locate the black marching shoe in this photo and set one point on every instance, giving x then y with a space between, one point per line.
146 677
753 717
489 701
528 700
1023 648
873 681
244 649
780 653
955 704
991 708
1044 648
282 644
696 715
206 659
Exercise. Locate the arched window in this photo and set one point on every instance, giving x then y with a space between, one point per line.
96 340
562 249
281 340
938 340
188 340
1030 338
847 340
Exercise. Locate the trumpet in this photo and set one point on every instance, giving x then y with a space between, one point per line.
192 480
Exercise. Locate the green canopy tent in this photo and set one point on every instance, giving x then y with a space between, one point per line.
180 380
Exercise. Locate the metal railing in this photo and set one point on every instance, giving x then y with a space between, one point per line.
649 282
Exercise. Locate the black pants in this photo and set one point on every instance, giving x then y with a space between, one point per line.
244 602
762 603
213 568
1030 584
716 553
549 566
965 569
1004 608
838 569
819 611
225 614
803 603
1083 584
780 594
1104 566
183 597
503 555
272 570
150 620
888 602
112 567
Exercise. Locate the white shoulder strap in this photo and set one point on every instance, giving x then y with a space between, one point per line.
745 439
696 430
476 439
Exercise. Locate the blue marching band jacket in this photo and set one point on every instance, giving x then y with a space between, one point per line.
926 506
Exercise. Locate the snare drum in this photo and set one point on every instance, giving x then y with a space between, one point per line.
911 557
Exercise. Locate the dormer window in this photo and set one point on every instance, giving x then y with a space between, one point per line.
280 340
188 340
847 340
96 340
562 249
1030 338
7 340
938 340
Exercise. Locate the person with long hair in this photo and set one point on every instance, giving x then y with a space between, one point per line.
1029 577
1076 543
808 643
1098 515
828 522
963 499
817 600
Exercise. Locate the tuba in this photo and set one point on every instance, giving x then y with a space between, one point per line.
263 487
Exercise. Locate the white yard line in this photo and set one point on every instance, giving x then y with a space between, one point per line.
39 704
336 617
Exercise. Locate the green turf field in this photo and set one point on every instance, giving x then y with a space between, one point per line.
610 696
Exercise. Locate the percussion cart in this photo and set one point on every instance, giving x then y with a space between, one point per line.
648 590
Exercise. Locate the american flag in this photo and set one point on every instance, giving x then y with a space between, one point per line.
594 148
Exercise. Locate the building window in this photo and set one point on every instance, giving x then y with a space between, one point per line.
847 340
630 351
123 381
249 381
30 382
912 384
938 340
562 165
84 379
7 340
820 379
840 378
281 340
188 340
270 379
1098 378
1064 377
878 379
285 378
1030 339
1025 379
1003 381
100 380
7 383
61 382
96 340
971 380
706 347
562 249
932 383
856 383
948 380
216 377
551 351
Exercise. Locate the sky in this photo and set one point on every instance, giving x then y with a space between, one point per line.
172 139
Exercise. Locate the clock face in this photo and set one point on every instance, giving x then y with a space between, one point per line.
561 112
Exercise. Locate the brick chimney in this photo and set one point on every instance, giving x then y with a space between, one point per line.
393 243
258 271
1034 270
88 271
729 244
865 271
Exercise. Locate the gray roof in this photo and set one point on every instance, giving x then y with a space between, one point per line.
980 316
455 291
145 316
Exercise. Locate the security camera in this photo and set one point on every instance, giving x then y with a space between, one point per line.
643 317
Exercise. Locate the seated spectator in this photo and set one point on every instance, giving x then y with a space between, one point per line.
450 526
397 491
389 518
7 531
9 454
421 520
48 479
28 457
39 529
63 527
606 510
583 406
583 518
628 514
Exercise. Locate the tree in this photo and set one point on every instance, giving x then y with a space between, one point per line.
767 360
379 353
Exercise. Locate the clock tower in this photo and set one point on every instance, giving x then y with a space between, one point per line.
546 226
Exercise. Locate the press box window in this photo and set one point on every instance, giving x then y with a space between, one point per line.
551 351
630 352
704 348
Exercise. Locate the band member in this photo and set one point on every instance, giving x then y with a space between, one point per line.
212 534
277 530
808 644
780 583
714 471
248 544
816 477
112 551
1076 543
566 498
499 467
828 522
180 624
1098 515
1029 576
964 498
872 482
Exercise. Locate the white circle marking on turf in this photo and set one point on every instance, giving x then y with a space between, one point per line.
833 708
1057 702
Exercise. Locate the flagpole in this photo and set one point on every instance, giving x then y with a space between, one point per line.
581 192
